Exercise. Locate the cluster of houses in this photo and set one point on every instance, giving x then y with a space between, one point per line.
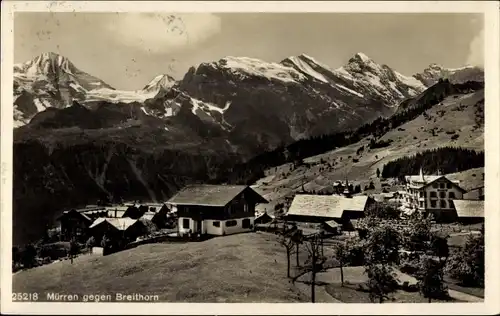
125 222
220 210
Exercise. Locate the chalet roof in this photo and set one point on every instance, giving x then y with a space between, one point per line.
469 208
211 195
426 178
73 211
418 183
263 214
119 223
332 206
148 215
111 213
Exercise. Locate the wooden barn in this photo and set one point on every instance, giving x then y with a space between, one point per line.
215 209
324 208
469 211
75 222
119 230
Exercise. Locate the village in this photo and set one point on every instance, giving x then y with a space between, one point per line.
323 225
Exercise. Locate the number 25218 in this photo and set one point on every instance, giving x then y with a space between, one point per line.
25 297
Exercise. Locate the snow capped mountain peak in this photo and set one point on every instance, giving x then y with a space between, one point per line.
46 64
159 82
434 72
362 57
246 66
306 65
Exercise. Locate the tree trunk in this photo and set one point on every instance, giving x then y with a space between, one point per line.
342 274
297 255
430 299
313 281
287 262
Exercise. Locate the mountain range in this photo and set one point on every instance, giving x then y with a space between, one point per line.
360 90
79 139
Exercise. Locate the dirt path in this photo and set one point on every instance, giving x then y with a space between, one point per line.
464 296
321 296
461 296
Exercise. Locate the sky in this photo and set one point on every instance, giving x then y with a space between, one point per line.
127 50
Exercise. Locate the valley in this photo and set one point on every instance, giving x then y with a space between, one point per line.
93 141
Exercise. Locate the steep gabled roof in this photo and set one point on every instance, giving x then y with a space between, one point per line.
119 223
469 208
332 224
431 179
211 195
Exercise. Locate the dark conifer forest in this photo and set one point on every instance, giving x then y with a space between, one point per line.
446 160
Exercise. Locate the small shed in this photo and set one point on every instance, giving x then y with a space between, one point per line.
332 227
263 218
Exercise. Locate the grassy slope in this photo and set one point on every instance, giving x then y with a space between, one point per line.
410 138
238 268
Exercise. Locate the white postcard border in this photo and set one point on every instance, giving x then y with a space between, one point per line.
491 303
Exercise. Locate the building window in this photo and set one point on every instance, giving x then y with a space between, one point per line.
448 185
433 194
421 193
451 195
435 185
443 203
231 223
216 224
442 195
185 223
442 185
245 207
433 203
421 204
245 223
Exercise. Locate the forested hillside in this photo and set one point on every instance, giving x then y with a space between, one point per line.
445 160
295 152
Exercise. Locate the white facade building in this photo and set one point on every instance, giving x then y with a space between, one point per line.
431 194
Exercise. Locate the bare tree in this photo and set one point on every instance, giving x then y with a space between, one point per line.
298 239
315 261
341 254
288 242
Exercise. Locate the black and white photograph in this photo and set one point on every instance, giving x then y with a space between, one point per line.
249 157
